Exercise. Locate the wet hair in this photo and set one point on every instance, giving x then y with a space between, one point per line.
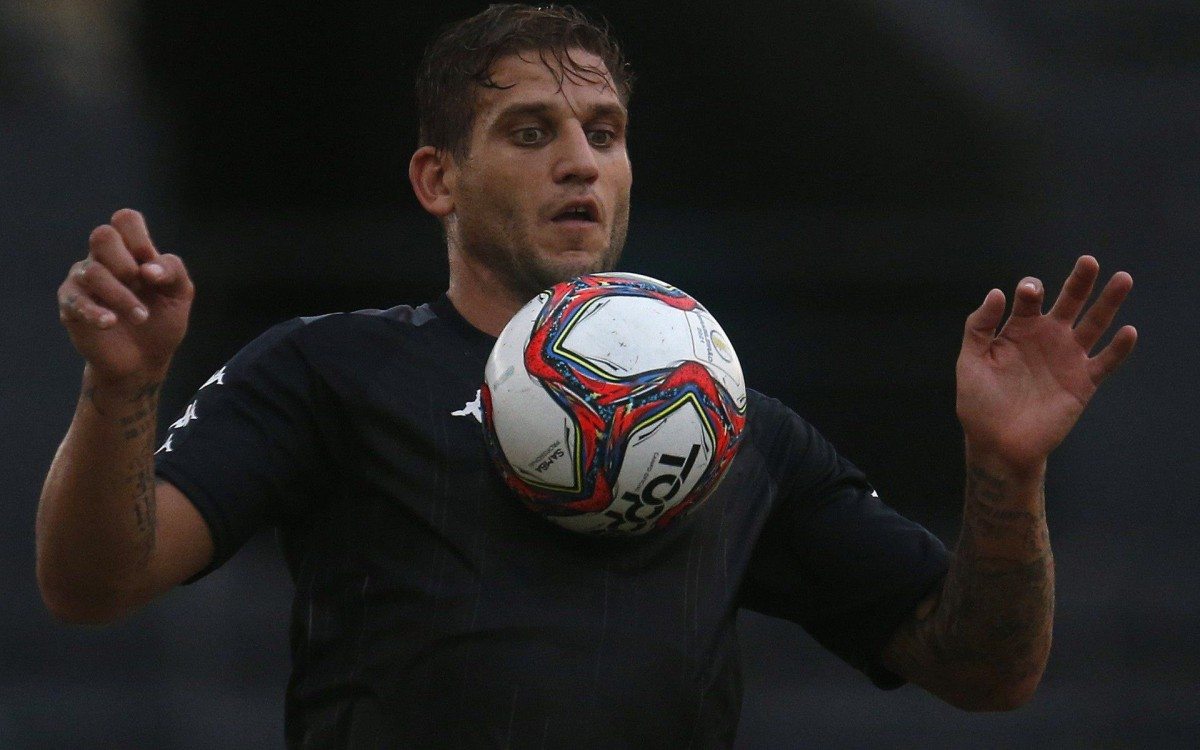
461 58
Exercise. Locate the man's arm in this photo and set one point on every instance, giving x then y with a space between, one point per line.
981 641
109 538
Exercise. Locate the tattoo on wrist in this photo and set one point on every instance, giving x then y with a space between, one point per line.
143 401
988 514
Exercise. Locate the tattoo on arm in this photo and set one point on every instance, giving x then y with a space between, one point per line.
144 506
991 623
139 425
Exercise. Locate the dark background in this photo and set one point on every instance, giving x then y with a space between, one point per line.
839 182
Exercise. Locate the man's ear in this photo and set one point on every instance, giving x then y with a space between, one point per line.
430 172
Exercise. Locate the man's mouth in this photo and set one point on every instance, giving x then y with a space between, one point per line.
580 212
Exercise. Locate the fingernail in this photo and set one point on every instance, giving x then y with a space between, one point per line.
1031 285
140 314
154 270
107 319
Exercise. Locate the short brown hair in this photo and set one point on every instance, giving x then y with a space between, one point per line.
461 59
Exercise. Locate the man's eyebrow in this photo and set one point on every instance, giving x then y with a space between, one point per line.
545 109
615 111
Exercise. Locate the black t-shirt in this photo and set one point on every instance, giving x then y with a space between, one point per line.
433 610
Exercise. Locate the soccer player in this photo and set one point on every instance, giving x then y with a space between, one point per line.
433 610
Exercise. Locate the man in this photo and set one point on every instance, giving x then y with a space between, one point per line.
431 609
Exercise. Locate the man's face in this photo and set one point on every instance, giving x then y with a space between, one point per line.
544 193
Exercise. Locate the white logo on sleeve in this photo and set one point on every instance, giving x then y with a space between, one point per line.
188 415
166 447
218 378
472 409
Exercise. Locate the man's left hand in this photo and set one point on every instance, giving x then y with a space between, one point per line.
1020 391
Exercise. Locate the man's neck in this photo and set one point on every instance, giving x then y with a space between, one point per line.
480 297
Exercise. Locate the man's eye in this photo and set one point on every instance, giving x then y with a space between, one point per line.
601 138
530 136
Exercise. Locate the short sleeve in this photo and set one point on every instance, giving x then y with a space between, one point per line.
245 449
832 556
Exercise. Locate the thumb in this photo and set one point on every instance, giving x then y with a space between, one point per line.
981 324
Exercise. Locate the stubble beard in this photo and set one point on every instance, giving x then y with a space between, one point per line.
505 248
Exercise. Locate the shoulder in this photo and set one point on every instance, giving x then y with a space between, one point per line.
300 343
761 404
769 420
306 332
401 314
399 317
789 444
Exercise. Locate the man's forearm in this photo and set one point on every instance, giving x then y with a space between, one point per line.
997 606
96 523
982 642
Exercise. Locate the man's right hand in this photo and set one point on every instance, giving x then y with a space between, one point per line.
126 306
110 538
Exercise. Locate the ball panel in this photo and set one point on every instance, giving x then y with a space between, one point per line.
544 453
600 337
711 347
663 460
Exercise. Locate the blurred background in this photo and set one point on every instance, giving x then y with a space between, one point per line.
840 182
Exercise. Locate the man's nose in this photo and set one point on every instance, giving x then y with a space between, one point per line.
576 158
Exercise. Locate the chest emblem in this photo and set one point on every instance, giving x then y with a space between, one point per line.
472 409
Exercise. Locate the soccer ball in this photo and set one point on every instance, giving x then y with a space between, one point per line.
613 404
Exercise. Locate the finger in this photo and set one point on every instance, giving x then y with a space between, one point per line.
107 247
1027 300
132 226
981 324
68 299
1076 289
168 276
1110 357
74 306
105 289
1100 315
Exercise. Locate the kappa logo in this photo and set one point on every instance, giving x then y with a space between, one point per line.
218 377
471 409
166 447
188 415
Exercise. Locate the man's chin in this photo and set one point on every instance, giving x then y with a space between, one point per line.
563 267
574 263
